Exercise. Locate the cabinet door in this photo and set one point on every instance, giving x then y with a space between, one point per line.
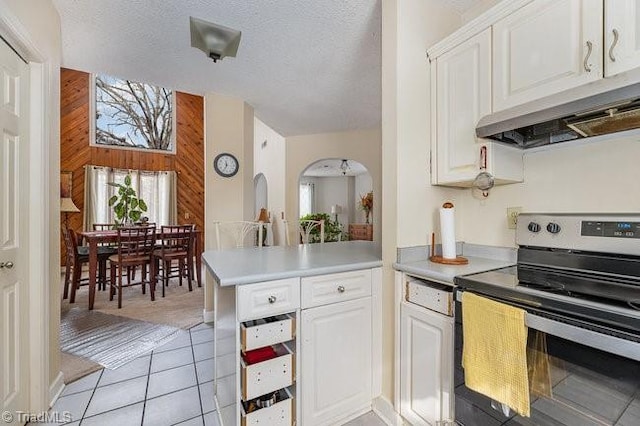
621 36
463 96
543 49
426 366
336 361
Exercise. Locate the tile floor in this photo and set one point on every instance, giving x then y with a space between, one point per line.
171 386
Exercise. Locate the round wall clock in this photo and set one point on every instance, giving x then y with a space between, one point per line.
226 165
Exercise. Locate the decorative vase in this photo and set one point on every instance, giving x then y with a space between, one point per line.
366 217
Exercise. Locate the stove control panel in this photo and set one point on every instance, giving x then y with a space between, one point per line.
610 229
616 233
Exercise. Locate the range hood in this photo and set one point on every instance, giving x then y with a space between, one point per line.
606 106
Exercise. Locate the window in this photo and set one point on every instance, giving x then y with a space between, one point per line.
306 198
132 115
157 189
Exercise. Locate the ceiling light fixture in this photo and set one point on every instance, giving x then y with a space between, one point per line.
344 166
216 41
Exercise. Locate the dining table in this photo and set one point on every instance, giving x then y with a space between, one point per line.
94 239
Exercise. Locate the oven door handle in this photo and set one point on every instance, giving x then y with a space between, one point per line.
604 342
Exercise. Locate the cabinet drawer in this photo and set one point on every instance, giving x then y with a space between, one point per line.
269 298
279 414
268 376
266 332
326 289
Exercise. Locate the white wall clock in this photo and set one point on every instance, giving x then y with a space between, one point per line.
226 165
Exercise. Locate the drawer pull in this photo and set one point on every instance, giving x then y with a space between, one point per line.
340 289
272 299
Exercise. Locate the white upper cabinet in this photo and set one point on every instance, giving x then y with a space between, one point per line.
546 47
621 36
463 96
462 79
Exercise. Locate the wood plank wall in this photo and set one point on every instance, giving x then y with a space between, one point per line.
75 152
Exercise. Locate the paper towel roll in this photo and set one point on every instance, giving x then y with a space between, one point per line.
448 231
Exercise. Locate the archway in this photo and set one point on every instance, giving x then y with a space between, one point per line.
261 191
332 188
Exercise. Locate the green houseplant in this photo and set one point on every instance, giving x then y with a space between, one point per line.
127 207
332 229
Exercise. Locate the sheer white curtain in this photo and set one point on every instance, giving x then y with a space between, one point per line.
306 198
157 189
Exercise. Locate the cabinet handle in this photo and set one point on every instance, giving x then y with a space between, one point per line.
8 265
272 299
587 68
613 45
340 289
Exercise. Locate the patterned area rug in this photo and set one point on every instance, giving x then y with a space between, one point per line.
110 340
180 308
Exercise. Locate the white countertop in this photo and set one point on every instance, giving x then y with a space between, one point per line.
257 264
446 273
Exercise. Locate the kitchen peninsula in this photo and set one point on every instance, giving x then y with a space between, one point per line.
298 332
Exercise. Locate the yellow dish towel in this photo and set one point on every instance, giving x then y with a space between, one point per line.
494 355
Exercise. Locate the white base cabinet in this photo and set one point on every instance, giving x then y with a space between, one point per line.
336 357
326 365
426 365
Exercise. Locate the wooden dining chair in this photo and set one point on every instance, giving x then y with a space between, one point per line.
135 245
76 257
111 248
177 245
104 226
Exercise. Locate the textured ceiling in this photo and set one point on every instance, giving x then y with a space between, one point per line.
306 66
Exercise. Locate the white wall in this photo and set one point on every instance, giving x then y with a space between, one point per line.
39 21
269 160
410 203
588 177
362 146
331 191
229 128
478 9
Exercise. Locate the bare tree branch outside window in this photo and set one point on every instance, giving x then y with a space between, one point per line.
133 114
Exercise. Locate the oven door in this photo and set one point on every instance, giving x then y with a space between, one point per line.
594 378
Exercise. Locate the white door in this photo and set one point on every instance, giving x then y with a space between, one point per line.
463 96
546 47
621 36
336 355
14 95
426 366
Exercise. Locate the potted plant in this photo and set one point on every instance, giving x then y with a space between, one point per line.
127 207
332 229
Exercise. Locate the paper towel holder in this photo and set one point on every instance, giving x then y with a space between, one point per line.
459 260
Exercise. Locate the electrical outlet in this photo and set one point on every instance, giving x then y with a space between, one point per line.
512 216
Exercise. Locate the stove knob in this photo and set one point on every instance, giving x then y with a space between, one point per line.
554 228
533 227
